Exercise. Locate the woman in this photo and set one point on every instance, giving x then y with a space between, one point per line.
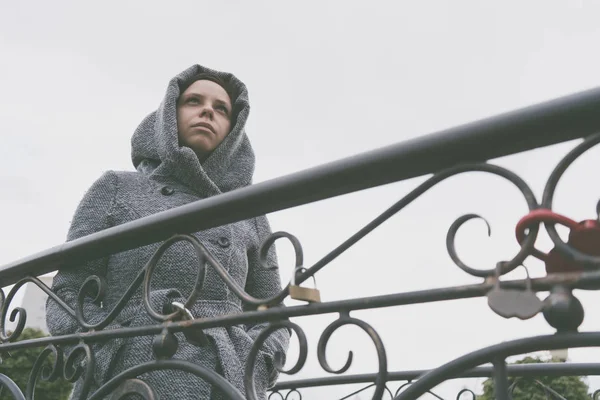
193 147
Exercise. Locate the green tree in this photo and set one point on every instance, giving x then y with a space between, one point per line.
569 387
19 365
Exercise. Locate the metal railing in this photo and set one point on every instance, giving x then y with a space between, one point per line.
399 380
463 149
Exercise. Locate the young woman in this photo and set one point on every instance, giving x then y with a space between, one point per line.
193 147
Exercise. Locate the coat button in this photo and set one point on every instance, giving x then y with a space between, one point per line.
223 242
167 191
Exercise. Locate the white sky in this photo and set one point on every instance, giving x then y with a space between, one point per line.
327 80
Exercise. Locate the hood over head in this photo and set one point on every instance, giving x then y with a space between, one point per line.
155 145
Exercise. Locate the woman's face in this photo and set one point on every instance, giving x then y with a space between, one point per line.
203 117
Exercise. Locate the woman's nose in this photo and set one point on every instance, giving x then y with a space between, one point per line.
207 112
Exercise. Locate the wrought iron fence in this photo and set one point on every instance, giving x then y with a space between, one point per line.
397 381
572 265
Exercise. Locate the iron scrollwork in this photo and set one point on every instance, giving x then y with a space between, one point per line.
180 319
345 319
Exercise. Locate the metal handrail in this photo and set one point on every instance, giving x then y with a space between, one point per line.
520 370
563 119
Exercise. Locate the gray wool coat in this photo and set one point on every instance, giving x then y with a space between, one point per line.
169 176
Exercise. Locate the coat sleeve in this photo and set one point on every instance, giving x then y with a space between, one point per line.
92 215
262 283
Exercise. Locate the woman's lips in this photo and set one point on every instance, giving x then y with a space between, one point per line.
203 126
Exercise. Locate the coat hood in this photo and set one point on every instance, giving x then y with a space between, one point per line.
155 146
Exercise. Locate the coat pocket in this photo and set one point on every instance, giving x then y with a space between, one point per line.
106 355
243 344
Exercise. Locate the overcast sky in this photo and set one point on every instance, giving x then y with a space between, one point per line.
327 80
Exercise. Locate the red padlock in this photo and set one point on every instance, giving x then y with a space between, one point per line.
583 236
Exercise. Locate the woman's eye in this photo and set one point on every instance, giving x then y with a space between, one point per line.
193 100
223 109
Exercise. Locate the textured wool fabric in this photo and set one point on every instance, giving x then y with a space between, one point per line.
168 176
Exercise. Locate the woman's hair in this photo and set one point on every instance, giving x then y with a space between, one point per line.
208 77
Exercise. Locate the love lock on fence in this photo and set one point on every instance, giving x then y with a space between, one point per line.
311 295
561 309
508 303
583 236
194 335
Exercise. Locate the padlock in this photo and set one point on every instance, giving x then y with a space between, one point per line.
508 303
583 236
311 295
194 335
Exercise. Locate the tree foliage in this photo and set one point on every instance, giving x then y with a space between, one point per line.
18 368
569 387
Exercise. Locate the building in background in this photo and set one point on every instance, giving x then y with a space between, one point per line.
33 300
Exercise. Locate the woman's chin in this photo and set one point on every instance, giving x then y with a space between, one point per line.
200 145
